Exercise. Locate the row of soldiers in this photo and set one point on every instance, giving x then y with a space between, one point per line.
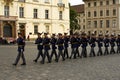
62 42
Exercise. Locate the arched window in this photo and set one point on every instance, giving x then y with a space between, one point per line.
7 30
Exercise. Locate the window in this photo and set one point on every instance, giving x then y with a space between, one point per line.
21 12
35 1
46 14
89 14
107 23
46 1
95 24
101 13
114 12
107 2
101 3
60 1
21 0
35 29
89 4
101 23
47 29
60 15
95 13
114 23
107 12
89 24
6 11
114 1
35 13
83 26
95 4
7 30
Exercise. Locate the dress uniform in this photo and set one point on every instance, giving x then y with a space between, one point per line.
84 43
60 45
78 45
106 45
92 45
39 41
112 43
46 47
53 44
118 43
21 45
66 40
100 45
74 45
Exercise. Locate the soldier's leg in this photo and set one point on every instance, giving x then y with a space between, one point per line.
67 52
118 49
107 50
91 52
61 53
85 53
101 53
23 58
48 56
98 53
52 52
17 58
37 56
113 50
94 52
44 55
56 56
77 51
72 52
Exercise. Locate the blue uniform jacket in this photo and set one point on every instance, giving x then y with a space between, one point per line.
38 41
66 40
118 41
74 42
100 42
92 42
53 43
60 43
46 44
84 42
106 42
112 42
21 44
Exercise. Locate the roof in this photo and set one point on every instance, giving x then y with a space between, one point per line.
78 8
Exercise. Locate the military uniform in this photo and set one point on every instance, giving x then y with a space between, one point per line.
100 45
46 47
60 43
118 43
38 41
21 45
106 45
53 44
66 40
78 45
112 43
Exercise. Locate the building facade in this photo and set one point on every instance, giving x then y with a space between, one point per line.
102 16
32 16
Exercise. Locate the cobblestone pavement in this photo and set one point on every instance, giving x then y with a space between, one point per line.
95 68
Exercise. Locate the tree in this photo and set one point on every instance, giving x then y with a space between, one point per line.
73 21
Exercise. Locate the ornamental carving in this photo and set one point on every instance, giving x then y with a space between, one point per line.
8 1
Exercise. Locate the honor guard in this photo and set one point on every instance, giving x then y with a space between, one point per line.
106 44
78 45
53 44
46 47
118 43
112 44
84 43
100 45
39 41
66 40
60 43
21 45
92 45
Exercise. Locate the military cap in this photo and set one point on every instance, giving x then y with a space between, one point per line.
119 34
45 33
19 33
53 34
65 33
59 33
39 33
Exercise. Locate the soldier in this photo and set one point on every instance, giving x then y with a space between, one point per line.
100 44
46 47
106 44
66 40
78 45
53 43
118 43
84 43
112 43
92 44
60 43
74 45
21 46
38 41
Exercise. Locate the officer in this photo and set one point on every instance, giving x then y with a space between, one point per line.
118 43
66 40
46 47
112 44
60 43
100 45
74 45
106 44
84 43
38 41
53 43
21 45
78 45
92 45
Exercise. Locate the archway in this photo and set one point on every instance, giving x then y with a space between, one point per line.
7 30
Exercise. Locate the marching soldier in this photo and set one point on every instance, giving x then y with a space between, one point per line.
92 44
38 41
112 43
106 44
53 43
84 43
60 43
100 44
74 45
46 47
66 40
118 43
21 46
78 45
